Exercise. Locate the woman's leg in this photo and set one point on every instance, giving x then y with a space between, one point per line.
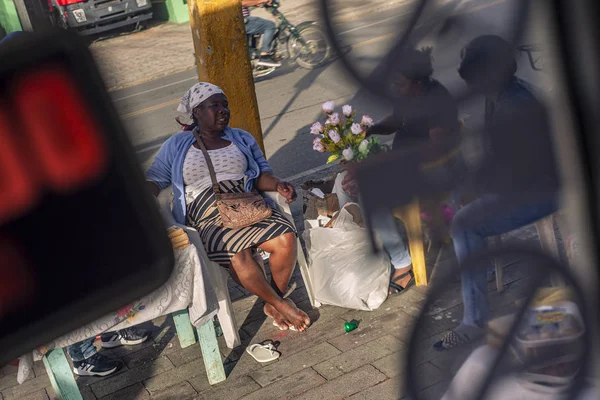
247 271
282 261
283 252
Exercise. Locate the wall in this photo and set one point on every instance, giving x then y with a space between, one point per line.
9 18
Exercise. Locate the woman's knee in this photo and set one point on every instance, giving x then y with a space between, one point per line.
288 241
244 257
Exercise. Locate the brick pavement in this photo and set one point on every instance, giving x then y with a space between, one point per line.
322 363
126 59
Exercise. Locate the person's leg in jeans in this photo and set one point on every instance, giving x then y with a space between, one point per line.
490 215
82 350
385 226
266 28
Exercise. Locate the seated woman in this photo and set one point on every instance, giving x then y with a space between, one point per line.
240 166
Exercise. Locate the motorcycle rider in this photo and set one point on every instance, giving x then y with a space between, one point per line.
260 26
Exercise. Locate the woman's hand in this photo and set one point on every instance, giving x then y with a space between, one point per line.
287 190
349 185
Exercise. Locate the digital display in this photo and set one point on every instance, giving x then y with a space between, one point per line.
80 235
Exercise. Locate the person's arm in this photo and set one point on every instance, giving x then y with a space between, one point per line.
153 188
267 182
383 127
158 176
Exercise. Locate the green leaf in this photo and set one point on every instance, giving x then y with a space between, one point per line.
332 158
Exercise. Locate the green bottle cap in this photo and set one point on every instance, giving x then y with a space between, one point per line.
350 326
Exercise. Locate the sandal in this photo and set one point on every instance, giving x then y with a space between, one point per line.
397 288
456 338
263 352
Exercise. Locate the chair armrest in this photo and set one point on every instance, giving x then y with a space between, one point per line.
280 203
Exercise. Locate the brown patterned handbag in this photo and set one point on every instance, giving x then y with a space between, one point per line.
237 210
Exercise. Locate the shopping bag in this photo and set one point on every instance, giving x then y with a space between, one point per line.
343 269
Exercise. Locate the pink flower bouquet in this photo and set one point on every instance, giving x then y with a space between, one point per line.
343 137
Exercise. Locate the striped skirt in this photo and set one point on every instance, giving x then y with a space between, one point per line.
221 243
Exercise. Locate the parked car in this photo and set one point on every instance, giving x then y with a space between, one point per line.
90 17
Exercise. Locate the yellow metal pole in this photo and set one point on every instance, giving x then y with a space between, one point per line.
222 58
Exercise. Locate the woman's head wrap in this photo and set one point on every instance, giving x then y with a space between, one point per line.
196 95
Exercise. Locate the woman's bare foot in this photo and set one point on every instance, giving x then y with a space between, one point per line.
281 322
297 318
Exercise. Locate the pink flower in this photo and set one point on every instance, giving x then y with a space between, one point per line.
123 312
328 107
347 110
316 128
333 135
348 154
318 145
334 119
366 121
356 129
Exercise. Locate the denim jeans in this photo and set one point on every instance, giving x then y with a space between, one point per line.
490 215
82 350
384 225
261 26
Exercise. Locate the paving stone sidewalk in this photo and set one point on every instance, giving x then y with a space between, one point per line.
322 363
164 49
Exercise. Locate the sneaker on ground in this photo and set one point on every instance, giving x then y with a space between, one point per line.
125 337
96 365
268 61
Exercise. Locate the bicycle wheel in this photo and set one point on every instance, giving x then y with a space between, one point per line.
316 50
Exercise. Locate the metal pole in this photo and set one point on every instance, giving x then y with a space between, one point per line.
220 43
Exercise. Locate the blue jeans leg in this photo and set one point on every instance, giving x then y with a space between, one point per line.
82 350
490 215
261 26
384 224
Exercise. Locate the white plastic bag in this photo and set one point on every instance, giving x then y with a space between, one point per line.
343 269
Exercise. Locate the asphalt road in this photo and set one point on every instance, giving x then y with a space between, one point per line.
290 99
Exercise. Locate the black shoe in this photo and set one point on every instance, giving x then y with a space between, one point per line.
96 365
268 61
125 337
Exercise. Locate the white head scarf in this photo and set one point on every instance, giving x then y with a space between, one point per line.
196 95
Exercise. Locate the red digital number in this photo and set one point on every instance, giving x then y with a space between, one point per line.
17 188
62 134
58 146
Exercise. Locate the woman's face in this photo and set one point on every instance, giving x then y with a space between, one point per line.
404 86
213 113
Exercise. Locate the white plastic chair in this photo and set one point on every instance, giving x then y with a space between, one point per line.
219 275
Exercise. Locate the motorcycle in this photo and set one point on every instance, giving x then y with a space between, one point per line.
305 44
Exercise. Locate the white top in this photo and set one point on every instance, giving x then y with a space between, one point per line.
229 163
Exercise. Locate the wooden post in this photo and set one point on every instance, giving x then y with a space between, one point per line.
61 377
221 47
210 353
411 216
185 330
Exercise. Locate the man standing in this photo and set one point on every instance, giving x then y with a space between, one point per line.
260 26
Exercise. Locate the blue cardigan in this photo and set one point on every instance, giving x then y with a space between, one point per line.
167 168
